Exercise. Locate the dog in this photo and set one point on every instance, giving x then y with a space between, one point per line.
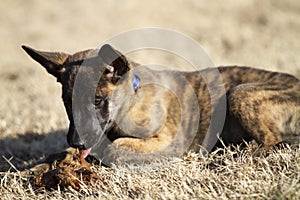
116 106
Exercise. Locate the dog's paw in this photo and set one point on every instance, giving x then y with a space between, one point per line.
115 155
126 144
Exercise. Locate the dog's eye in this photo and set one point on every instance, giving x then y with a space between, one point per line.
98 101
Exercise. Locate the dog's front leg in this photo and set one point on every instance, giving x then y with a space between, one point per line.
134 150
147 145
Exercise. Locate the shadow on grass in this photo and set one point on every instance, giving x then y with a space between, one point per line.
25 150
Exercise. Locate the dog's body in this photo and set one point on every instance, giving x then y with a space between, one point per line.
146 111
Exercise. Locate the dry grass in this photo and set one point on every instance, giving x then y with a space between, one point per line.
229 173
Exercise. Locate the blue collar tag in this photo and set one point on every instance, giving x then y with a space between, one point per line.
136 82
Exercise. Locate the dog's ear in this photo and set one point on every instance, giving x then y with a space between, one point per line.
115 59
52 61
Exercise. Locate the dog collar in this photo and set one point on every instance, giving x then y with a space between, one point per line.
136 82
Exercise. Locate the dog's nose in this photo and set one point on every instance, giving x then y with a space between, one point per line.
74 139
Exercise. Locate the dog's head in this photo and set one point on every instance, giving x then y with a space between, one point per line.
88 80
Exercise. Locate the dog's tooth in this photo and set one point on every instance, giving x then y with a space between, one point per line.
110 68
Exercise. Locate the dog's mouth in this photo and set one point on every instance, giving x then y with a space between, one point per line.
86 152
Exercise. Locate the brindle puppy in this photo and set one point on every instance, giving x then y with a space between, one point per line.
149 112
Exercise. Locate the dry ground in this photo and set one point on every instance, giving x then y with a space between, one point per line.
33 122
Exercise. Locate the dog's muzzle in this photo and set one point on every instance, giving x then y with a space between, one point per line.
74 139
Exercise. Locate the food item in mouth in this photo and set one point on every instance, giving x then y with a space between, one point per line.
73 170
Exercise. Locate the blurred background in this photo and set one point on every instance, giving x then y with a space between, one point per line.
33 121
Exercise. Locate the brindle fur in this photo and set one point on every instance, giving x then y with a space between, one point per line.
261 105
